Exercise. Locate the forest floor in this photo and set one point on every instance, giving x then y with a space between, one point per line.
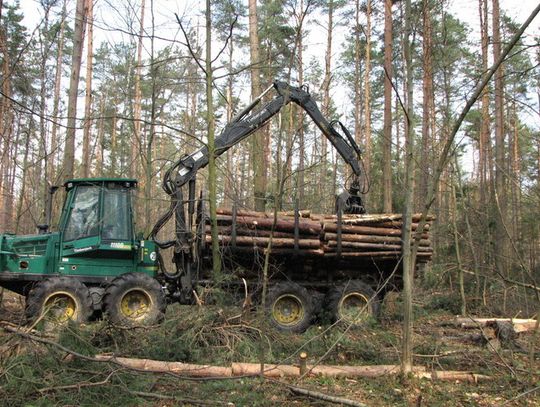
37 374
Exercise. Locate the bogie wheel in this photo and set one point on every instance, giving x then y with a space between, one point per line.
134 299
289 307
58 300
353 302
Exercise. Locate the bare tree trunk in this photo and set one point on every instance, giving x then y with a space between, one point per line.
516 176
41 173
86 157
387 125
257 143
326 103
210 130
148 170
6 133
229 195
484 155
99 140
300 121
78 37
136 140
427 87
357 72
24 177
409 258
56 98
457 239
367 92
113 144
500 198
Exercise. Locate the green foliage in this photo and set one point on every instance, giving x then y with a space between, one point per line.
449 302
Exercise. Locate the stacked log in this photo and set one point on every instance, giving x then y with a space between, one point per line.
376 236
315 235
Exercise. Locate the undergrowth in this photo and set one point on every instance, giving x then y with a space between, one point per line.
35 374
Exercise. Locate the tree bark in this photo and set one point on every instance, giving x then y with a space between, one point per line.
257 143
78 37
87 157
210 129
387 125
408 256
427 104
500 198
325 108
6 133
367 93
56 99
136 140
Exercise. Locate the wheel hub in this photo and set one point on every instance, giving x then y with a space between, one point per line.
354 307
135 304
288 310
60 307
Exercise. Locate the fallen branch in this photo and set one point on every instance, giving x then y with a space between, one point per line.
325 397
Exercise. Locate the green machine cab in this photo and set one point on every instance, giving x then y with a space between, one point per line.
92 263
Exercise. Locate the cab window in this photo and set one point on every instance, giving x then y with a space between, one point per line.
83 219
116 215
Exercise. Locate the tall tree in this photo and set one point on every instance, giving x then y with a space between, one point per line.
78 37
210 130
86 157
56 95
325 108
136 140
387 125
260 175
500 195
408 258
427 102
367 90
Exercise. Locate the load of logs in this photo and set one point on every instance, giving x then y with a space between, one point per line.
305 234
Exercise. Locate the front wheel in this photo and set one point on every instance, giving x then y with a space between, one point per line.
289 307
134 299
353 302
58 300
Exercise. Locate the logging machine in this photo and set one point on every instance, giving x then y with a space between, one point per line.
96 263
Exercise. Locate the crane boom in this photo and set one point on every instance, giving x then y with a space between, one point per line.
251 119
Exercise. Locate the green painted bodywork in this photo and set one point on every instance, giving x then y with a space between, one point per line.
94 257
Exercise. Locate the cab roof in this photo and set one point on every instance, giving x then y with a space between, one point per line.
128 182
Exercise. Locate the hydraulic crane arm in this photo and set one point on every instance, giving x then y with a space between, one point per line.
251 119
245 123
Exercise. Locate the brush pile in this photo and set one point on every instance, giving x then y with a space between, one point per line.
313 235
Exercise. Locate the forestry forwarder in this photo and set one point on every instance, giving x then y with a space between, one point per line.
96 263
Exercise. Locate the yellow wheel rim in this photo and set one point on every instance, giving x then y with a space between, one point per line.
354 308
60 306
288 310
136 304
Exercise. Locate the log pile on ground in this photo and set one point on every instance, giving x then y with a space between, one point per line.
353 237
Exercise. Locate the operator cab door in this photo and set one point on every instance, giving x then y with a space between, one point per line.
97 238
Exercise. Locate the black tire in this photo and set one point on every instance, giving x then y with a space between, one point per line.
289 307
58 300
134 299
353 303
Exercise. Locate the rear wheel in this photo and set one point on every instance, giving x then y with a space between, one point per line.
289 307
59 300
134 299
353 303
